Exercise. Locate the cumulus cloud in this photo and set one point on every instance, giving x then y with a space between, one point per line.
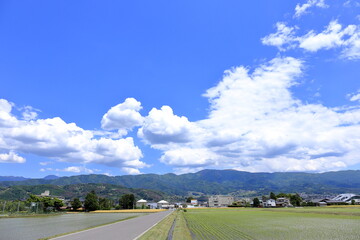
334 36
11 157
56 139
162 127
256 124
302 9
131 171
189 157
124 116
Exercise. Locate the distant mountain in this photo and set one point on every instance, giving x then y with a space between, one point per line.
221 182
78 190
11 178
51 177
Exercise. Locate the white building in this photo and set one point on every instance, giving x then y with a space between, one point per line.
220 201
141 203
45 194
345 198
161 204
269 203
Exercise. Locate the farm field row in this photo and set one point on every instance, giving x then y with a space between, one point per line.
247 223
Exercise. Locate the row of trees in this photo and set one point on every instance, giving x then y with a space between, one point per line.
93 202
47 203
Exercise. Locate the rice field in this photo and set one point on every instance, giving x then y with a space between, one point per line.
283 223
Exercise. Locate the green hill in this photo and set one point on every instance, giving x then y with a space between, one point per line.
78 190
220 182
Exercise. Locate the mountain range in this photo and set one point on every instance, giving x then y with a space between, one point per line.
215 182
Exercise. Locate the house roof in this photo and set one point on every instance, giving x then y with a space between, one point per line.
163 202
142 201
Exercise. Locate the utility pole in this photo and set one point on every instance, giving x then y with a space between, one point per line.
18 206
4 206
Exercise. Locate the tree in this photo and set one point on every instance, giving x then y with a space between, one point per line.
295 200
91 201
272 196
256 202
47 203
283 195
188 200
76 204
105 204
127 201
57 203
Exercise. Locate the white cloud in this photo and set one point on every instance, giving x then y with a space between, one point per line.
354 97
131 171
56 139
331 37
11 157
302 9
189 157
256 124
123 116
334 36
283 36
46 169
76 169
162 127
29 113
6 119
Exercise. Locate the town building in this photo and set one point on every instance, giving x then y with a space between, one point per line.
141 203
162 204
283 202
220 201
348 198
269 203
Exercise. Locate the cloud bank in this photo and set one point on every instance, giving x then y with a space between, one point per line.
256 124
334 36
55 139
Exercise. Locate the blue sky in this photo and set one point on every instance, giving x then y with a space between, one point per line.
115 87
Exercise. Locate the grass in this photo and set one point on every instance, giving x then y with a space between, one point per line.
284 223
181 230
161 230
130 211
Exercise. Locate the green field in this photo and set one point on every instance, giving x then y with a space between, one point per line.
283 223
248 223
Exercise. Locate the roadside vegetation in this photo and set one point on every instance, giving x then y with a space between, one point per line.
172 227
161 230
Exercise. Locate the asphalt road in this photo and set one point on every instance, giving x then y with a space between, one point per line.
124 230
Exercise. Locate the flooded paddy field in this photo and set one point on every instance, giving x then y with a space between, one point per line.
28 228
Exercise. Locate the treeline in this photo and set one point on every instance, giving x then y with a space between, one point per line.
93 202
34 204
